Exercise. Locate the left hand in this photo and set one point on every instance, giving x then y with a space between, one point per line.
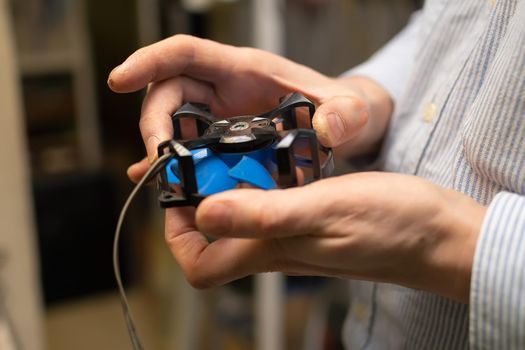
353 112
372 226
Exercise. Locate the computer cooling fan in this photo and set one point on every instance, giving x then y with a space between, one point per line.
265 151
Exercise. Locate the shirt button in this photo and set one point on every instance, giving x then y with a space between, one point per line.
430 112
360 312
493 2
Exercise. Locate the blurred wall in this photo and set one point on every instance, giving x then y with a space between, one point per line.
332 36
19 275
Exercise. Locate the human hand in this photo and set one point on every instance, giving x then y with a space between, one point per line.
353 112
372 226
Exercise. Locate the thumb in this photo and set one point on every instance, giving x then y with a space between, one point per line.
269 214
340 119
136 171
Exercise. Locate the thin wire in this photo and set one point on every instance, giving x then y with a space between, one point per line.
152 171
12 334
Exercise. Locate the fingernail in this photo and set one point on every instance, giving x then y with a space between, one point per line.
151 148
335 125
216 219
110 81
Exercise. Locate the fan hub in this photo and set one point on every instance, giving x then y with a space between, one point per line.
241 134
239 126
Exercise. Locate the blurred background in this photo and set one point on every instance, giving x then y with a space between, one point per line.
66 141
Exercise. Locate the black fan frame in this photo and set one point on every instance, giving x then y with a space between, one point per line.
286 159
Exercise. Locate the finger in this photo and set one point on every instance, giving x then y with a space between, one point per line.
177 55
136 171
294 267
162 100
262 214
340 119
211 264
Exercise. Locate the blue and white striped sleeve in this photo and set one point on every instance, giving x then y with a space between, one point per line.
392 64
497 297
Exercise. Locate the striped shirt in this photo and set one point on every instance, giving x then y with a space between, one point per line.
457 74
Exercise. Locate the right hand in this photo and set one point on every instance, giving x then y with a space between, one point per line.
352 113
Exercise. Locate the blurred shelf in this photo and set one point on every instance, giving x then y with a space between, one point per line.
56 68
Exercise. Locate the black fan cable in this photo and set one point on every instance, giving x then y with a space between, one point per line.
150 174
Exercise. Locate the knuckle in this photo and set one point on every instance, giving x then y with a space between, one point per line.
187 253
198 280
183 41
360 112
248 53
279 252
184 45
142 52
182 37
144 120
145 128
273 218
358 102
195 274
278 257
358 105
202 276
265 220
149 123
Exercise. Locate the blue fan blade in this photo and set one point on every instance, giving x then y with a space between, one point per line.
172 171
212 176
213 173
263 156
251 171
230 158
172 168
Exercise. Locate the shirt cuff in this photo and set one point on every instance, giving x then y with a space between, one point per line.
497 295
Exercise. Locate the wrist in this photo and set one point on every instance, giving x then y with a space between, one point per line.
450 264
